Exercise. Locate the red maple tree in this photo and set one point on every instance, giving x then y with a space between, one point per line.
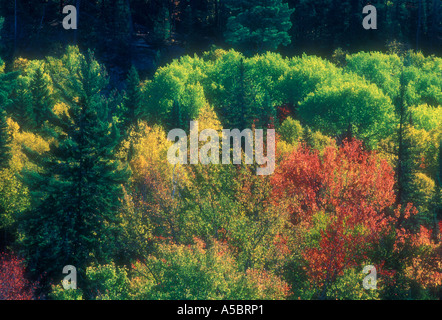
349 186
13 283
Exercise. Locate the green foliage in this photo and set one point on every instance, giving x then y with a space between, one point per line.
14 198
304 75
177 83
422 195
350 105
422 75
291 131
258 26
219 231
76 193
426 117
104 282
41 100
379 68
349 287
58 293
197 272
132 100
5 140
107 282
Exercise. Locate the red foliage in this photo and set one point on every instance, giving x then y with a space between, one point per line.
13 284
352 187
284 111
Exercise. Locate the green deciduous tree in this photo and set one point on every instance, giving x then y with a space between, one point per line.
352 105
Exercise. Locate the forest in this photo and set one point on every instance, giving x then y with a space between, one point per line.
85 179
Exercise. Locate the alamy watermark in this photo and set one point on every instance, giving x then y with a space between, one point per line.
70 21
69 281
232 140
370 21
370 281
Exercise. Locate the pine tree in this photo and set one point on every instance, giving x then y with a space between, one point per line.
176 116
7 82
22 101
132 98
238 111
258 25
78 192
41 100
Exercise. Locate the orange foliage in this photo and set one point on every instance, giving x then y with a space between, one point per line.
353 188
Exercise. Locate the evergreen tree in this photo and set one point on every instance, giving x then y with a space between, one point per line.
258 25
238 111
132 98
6 86
176 116
41 100
22 101
78 190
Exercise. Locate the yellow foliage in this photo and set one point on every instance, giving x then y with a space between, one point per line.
19 139
20 64
60 108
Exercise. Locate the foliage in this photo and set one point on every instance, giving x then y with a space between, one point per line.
351 105
341 201
75 196
258 26
198 272
13 283
85 180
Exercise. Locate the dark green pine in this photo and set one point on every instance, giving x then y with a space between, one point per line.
41 99
78 192
7 83
132 98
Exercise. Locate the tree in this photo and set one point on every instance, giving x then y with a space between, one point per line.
198 272
42 102
78 189
6 86
132 101
340 203
349 105
258 26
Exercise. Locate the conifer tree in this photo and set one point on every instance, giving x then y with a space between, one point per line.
7 81
132 98
238 112
22 101
258 25
78 190
41 100
176 116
